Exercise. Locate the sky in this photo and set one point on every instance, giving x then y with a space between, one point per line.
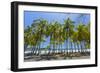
30 16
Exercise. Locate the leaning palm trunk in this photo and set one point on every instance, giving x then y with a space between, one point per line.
85 48
33 48
71 47
81 47
54 48
37 50
50 46
48 49
66 47
31 51
78 47
75 46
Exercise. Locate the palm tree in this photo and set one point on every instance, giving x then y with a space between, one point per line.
48 31
87 36
74 39
68 28
35 35
59 32
54 26
61 37
29 39
39 27
81 33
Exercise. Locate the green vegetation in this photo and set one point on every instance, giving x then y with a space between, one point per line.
76 36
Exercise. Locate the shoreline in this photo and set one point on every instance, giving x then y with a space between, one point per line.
38 58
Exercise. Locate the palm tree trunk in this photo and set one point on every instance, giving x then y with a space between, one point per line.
78 47
66 46
71 46
37 49
81 48
85 47
74 46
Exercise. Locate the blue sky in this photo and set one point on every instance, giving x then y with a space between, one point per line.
30 16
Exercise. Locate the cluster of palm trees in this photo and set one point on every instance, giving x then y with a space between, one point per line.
76 37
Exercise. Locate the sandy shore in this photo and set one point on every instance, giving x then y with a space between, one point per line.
37 58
